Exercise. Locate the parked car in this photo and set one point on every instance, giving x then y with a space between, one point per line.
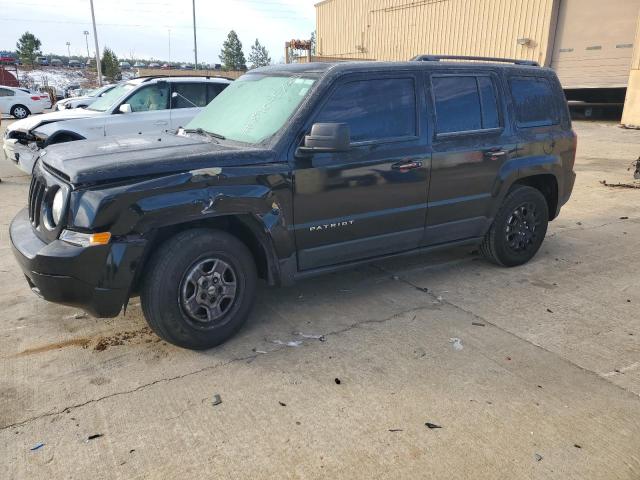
124 65
42 61
186 66
154 65
70 88
83 101
44 96
75 64
56 62
293 171
8 58
139 65
20 103
166 66
142 105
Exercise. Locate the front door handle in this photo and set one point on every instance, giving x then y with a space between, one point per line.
495 153
406 165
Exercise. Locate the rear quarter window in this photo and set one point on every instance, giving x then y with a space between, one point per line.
534 102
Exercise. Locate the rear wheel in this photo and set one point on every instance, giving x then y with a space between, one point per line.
518 229
199 288
20 111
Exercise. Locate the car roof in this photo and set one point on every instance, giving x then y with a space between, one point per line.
376 66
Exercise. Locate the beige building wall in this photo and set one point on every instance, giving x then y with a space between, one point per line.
401 29
631 113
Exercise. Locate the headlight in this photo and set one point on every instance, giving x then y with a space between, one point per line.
85 239
56 208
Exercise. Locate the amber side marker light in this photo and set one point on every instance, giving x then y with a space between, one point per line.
100 238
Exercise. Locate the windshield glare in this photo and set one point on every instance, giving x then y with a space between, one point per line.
253 108
102 104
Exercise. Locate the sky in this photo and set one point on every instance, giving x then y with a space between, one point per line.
154 28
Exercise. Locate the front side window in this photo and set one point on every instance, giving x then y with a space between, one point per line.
534 102
373 109
254 107
150 98
465 103
189 95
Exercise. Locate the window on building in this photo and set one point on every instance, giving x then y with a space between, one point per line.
465 103
374 109
534 102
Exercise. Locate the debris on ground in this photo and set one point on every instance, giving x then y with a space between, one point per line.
624 218
538 457
338 381
636 165
419 352
295 343
264 352
431 426
620 185
395 430
577 445
310 336
478 324
282 404
549 310
457 344
217 400
121 338
94 436
37 446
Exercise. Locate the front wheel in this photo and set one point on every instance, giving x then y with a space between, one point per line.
199 288
20 111
518 229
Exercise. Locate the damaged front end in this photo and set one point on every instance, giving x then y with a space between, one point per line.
23 148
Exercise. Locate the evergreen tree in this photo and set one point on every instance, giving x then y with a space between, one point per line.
109 64
259 56
28 48
313 43
231 55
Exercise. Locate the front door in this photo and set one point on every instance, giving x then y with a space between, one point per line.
372 199
472 142
149 112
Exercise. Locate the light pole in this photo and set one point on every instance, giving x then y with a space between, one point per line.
86 39
95 37
69 51
169 49
195 41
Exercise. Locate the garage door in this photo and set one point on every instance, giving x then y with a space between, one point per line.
594 42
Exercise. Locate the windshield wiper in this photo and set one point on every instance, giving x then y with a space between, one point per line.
201 131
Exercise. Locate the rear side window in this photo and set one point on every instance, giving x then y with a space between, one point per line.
374 109
189 95
465 103
534 102
5 92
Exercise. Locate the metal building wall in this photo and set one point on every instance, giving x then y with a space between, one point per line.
401 29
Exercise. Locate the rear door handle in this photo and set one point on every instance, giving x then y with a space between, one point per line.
495 153
406 165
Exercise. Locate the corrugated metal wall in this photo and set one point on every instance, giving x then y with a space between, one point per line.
401 29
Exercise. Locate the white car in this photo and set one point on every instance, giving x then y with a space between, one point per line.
20 103
142 105
44 96
84 101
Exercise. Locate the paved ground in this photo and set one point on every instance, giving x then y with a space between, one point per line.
546 385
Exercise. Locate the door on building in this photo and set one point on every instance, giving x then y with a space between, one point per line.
372 199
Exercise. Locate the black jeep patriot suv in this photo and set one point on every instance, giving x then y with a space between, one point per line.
296 170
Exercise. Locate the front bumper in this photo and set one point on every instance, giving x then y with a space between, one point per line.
96 279
23 156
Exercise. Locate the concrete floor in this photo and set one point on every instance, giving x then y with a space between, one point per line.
546 385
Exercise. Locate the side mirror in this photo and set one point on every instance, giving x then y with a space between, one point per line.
125 108
326 138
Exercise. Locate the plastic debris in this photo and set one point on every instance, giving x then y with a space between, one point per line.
538 457
94 436
37 446
295 343
457 344
261 351
431 426
395 430
217 400
310 336
478 324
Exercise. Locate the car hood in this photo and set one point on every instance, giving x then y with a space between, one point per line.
34 121
119 158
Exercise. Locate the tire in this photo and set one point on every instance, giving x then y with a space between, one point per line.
20 112
183 302
518 229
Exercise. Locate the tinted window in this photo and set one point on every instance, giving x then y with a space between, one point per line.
149 98
534 102
213 89
457 104
374 109
490 117
189 95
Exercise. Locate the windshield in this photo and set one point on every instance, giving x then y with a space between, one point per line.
105 102
253 108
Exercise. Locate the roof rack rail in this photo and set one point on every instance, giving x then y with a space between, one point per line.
437 58
147 78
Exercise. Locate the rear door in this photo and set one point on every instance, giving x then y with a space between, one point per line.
371 200
472 141
149 112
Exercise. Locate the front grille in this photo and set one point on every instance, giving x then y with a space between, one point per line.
36 196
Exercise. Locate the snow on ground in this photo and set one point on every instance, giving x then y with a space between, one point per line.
59 78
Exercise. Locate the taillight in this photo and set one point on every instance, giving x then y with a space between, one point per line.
35 98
